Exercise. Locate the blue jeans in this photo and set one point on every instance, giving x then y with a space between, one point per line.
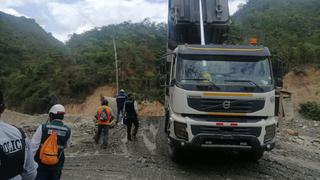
49 174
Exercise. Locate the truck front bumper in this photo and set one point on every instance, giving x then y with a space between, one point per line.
219 141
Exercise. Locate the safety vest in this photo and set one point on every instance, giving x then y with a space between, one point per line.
12 151
100 110
63 132
130 111
121 99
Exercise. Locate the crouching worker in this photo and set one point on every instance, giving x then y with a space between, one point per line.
48 144
16 159
105 118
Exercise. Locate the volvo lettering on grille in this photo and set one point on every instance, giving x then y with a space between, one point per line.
226 104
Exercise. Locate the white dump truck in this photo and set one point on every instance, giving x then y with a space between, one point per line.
217 96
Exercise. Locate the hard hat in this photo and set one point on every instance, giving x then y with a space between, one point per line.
121 90
57 109
104 101
103 97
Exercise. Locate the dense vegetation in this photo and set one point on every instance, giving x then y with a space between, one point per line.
310 110
139 47
290 28
22 40
37 70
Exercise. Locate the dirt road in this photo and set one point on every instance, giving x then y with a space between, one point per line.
295 157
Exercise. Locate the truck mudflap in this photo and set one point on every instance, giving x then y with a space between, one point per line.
234 142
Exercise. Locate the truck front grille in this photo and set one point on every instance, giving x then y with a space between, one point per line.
226 105
253 131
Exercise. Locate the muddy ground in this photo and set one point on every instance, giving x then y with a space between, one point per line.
294 157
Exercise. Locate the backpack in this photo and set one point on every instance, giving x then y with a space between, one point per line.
49 150
104 117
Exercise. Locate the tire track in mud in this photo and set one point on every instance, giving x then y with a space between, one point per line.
146 158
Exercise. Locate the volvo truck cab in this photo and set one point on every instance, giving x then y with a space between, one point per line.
217 96
221 97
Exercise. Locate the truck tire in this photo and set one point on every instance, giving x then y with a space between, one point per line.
166 122
174 153
253 155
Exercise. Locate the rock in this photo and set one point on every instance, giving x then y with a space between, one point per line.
291 132
298 140
88 131
316 141
300 137
143 161
151 161
139 161
316 125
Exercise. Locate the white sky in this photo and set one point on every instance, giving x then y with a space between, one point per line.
65 17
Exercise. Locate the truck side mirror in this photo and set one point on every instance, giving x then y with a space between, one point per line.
164 76
163 72
163 80
163 66
278 70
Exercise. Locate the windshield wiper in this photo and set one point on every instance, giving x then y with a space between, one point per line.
248 81
204 79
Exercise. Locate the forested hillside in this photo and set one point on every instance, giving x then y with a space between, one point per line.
24 50
22 41
37 70
290 28
139 47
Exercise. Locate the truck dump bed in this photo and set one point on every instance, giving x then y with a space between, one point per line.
184 20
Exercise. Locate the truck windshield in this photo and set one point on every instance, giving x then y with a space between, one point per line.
251 73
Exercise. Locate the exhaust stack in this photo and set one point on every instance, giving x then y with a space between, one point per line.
203 41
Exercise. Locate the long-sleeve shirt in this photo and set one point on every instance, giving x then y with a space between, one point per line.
8 133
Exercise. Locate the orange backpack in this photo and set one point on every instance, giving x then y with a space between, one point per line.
49 150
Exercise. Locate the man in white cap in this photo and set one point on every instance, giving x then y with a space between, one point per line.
55 127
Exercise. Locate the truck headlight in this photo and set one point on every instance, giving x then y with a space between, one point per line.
180 130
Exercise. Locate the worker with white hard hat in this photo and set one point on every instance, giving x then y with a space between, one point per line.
121 99
63 132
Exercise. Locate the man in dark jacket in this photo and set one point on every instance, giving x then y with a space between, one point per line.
16 160
55 124
131 115
121 99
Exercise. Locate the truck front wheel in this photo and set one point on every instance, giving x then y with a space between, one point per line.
174 153
166 123
253 155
